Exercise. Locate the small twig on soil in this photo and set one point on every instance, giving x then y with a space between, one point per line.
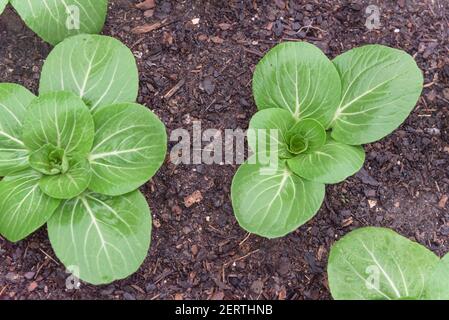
155 297
3 290
427 85
39 267
175 89
49 257
310 27
211 104
256 52
233 261
162 276
25 252
246 238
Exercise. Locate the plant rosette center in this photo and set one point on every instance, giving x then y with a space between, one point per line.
50 160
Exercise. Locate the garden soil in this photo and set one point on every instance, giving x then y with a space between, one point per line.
196 60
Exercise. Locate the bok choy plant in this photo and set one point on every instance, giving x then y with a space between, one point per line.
379 264
75 156
316 114
55 20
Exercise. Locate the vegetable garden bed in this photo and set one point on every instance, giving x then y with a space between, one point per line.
194 69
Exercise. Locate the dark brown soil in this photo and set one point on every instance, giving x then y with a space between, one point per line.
200 252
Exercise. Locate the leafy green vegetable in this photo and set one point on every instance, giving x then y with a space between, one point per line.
107 238
129 148
313 116
379 264
13 102
24 208
70 183
64 122
437 286
380 87
99 69
297 77
55 20
275 204
79 170
332 163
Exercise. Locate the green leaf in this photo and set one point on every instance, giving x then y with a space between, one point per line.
24 208
99 69
14 100
273 202
311 131
298 77
276 123
3 4
60 119
55 20
437 287
49 160
332 163
380 87
129 147
68 185
103 238
377 263
297 144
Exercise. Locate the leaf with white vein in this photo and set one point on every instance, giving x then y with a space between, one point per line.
129 147
24 208
14 100
275 203
297 77
378 264
310 131
69 184
55 20
104 238
99 69
60 119
267 132
331 163
380 87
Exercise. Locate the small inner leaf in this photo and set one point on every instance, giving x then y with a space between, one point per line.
297 144
49 160
311 131
69 183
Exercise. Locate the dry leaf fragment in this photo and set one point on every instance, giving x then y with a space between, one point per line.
146 28
146 5
179 296
442 202
372 203
195 197
224 26
217 40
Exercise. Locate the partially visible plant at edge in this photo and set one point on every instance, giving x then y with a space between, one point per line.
318 113
75 156
379 264
55 20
